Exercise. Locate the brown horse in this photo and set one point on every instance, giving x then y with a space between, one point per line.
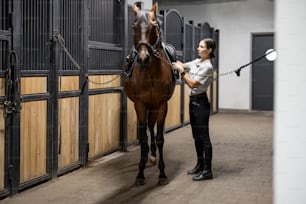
150 86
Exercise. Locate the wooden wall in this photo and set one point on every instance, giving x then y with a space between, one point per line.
212 94
68 131
33 137
104 123
174 108
186 104
131 122
103 116
103 81
33 85
33 130
68 83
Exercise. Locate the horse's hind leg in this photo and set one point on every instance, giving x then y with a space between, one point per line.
160 144
151 122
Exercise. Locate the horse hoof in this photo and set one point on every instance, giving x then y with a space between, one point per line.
139 181
163 181
153 160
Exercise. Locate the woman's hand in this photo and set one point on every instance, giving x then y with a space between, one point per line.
179 66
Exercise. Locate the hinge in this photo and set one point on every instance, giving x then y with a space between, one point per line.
9 170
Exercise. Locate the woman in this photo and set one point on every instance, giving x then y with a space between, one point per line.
198 79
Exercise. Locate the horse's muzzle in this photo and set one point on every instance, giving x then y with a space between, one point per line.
143 58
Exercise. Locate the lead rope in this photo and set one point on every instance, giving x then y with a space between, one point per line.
61 42
236 71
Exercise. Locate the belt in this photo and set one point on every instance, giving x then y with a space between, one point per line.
198 95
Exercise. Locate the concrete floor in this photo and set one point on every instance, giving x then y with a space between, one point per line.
242 165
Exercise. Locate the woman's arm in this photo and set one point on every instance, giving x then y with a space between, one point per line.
181 67
191 83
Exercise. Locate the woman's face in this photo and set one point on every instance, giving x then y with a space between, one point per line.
203 52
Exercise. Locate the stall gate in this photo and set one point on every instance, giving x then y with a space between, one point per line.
61 99
174 35
5 48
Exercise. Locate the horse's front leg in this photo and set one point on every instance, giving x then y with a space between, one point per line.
163 179
144 150
143 140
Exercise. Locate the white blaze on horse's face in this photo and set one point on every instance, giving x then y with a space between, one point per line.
143 55
141 38
144 28
146 35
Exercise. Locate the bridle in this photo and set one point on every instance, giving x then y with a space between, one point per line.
153 48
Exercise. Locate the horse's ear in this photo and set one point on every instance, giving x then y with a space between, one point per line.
155 8
135 9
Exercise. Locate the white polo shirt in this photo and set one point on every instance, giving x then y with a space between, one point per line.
201 72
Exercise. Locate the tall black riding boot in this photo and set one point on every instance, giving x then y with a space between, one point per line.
198 168
206 173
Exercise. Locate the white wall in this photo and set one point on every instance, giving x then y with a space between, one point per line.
236 22
290 109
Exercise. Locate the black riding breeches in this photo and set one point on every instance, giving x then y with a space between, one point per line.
199 111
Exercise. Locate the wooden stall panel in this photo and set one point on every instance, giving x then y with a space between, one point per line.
186 104
33 137
208 93
2 148
131 122
32 85
103 81
103 123
174 108
68 131
2 86
69 83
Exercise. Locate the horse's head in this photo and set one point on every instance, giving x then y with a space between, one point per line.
146 34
